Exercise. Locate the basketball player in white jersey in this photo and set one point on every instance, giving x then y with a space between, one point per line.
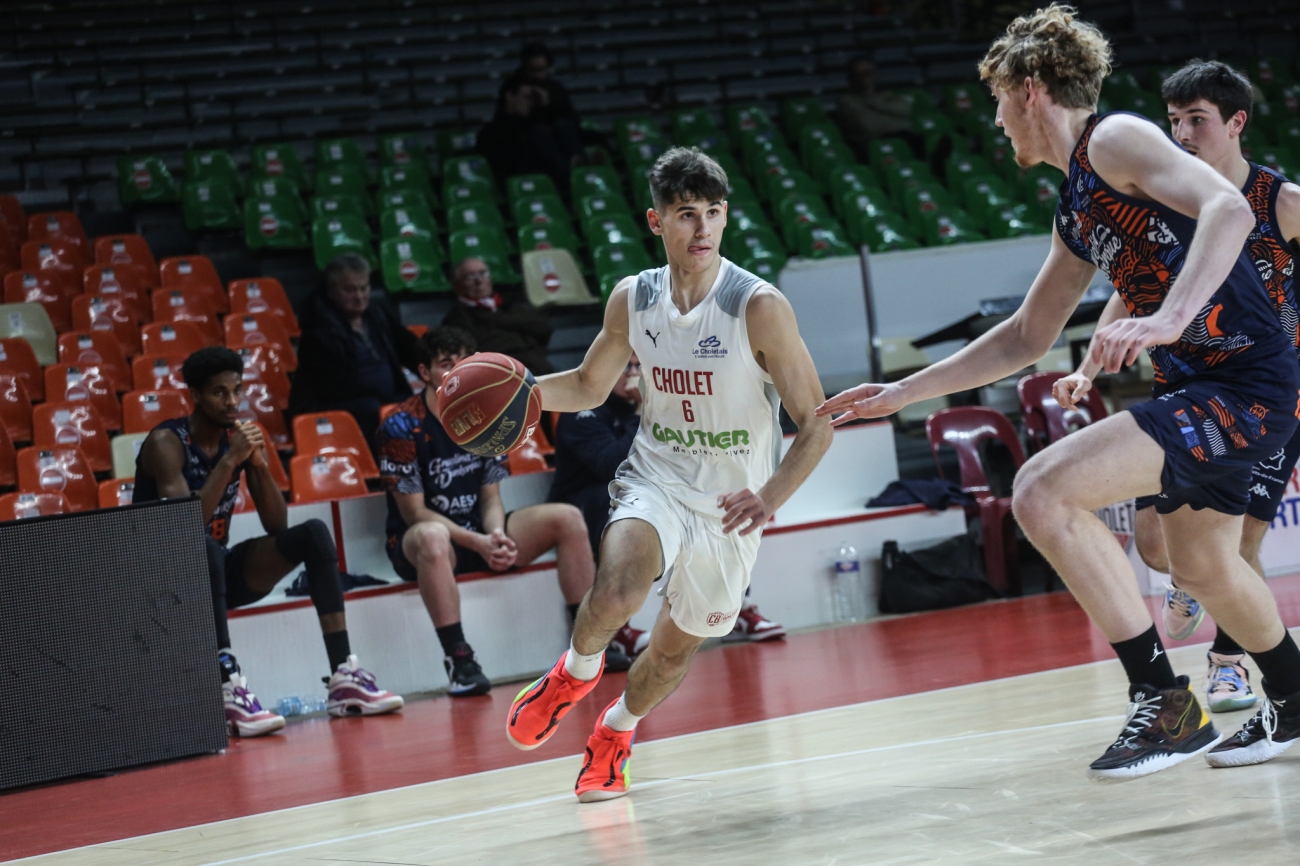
719 350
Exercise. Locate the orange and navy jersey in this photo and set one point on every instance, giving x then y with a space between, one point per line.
1270 252
197 467
1141 246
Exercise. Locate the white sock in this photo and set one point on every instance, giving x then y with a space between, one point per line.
619 717
582 667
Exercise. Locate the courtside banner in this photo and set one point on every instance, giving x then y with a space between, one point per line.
1280 552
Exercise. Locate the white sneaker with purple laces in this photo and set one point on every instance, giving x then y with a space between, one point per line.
244 715
353 692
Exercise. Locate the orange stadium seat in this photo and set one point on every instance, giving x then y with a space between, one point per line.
109 313
65 422
130 251
276 382
123 281
526 459
19 506
73 383
262 329
60 283
259 405
144 410
154 372
333 433
244 500
195 271
13 216
418 330
8 460
171 338
15 408
263 295
18 358
263 358
116 492
60 469
59 224
188 304
44 288
53 254
98 348
323 477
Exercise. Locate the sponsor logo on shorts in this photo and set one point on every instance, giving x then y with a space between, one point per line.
1274 462
1259 490
717 618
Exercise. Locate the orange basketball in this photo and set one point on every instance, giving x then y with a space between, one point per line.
489 404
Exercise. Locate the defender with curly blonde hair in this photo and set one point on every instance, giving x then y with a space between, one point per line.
1169 231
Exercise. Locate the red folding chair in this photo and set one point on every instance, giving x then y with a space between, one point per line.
53 254
965 428
144 410
276 382
72 383
1046 420
19 359
21 506
197 272
258 405
60 469
44 288
334 433
15 408
59 224
131 251
111 314
116 492
325 477
262 329
123 281
263 295
99 349
156 372
64 422
171 338
188 304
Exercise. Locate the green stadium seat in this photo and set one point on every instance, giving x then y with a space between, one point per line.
600 205
798 113
456 141
614 228
398 177
341 154
1040 188
796 183
402 198
932 128
1012 222
522 185
345 181
818 133
863 202
345 233
771 157
849 178
413 264
767 268
549 236
145 180
902 176
824 241
1120 83
963 104
633 131
333 205
801 209
474 216
403 150
739 188
595 180
1148 105
825 161
615 261
946 227
540 210
211 204
885 152
753 243
642 155
278 160
1280 159
996 150
273 223
743 215
280 188
459 191
470 168
489 244
213 165
698 128
887 231
920 98
414 220
922 201
960 167
985 195
744 120
1271 74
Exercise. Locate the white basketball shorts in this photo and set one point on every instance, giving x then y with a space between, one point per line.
706 570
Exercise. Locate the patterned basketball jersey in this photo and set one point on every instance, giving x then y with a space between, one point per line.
1141 247
1270 252
709 421
196 469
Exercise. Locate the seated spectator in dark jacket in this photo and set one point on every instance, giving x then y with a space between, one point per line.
533 131
518 330
352 350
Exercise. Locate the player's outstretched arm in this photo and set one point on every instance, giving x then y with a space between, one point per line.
1137 159
589 385
774 338
1006 348
1069 390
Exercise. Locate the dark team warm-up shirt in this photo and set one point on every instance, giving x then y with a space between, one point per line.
1269 251
196 469
417 456
591 445
1142 246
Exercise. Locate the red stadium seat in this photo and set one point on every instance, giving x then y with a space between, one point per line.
418 330
526 459
44 288
8 460
259 405
71 383
123 281
20 506
15 408
198 272
19 359
244 501
333 433
64 422
59 224
109 313
276 382
964 428
1046 420
263 295
130 251
116 492
324 477
54 254
10 257
60 469
144 410
14 218
262 329
188 304
155 372
96 348
171 338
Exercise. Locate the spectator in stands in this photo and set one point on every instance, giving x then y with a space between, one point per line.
526 136
205 454
353 348
589 448
535 67
865 113
515 329
445 516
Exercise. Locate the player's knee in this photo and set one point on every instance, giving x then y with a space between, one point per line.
431 541
614 600
309 541
1032 498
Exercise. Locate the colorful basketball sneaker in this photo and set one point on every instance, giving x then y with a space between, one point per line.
1227 683
604 773
1182 613
537 710
244 715
1164 727
353 692
1269 733
753 626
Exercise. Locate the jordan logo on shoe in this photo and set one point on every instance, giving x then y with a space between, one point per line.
1158 652
654 338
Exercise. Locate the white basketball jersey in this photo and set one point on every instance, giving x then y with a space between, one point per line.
709 422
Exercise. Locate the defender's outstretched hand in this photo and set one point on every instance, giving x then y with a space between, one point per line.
864 401
1119 343
1069 390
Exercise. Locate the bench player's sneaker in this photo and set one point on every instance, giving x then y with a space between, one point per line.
1269 733
464 675
244 715
753 626
537 710
632 641
1182 613
604 773
1164 727
353 692
1227 683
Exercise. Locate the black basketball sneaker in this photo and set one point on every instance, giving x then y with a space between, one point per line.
1164 727
1269 733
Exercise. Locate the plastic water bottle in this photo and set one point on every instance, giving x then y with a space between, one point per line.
289 706
848 595
313 705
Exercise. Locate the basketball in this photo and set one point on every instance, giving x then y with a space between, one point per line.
489 404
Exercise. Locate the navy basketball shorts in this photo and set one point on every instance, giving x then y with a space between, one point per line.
1212 436
1269 479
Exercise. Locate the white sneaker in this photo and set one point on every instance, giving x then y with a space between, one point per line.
244 715
1227 683
753 626
1182 613
353 692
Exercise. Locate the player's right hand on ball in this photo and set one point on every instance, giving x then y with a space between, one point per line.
1069 390
864 401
